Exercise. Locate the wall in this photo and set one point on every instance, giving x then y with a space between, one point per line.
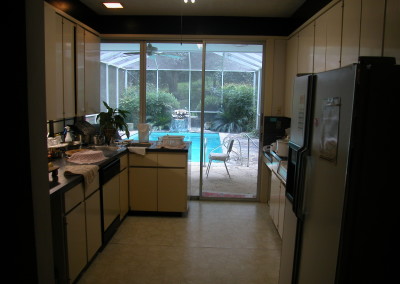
340 33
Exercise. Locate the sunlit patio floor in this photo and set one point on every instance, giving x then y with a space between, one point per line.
243 170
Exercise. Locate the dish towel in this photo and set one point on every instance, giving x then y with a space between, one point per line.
138 150
90 172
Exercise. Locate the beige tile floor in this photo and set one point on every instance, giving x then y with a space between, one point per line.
217 242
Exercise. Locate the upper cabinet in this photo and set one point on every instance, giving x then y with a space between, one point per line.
351 31
372 27
333 36
391 42
342 32
53 61
291 71
72 62
88 72
328 38
92 73
305 59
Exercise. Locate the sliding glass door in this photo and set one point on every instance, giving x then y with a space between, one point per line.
208 92
231 116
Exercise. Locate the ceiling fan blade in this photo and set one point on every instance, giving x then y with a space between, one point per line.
131 53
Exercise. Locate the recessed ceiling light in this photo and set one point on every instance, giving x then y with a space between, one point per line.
112 5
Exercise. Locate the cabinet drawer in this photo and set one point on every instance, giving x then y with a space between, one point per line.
148 160
73 196
123 160
172 160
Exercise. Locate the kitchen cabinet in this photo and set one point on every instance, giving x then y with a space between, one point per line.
305 59
123 187
93 224
59 65
274 199
277 189
76 241
277 202
351 32
372 27
72 66
76 221
158 181
391 42
88 72
291 72
328 35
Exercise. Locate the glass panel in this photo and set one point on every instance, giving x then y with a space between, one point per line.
173 96
231 107
120 79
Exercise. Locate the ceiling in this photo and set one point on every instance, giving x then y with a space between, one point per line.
232 8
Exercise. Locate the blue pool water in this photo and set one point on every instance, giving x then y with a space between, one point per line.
213 141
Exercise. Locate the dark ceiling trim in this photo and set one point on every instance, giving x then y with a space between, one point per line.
189 25
194 25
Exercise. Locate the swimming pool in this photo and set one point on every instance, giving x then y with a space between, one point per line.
213 140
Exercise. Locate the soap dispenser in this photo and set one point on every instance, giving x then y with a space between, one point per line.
68 134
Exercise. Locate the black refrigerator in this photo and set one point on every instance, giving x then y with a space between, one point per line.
340 223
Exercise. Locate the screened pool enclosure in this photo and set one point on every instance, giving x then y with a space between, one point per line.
170 98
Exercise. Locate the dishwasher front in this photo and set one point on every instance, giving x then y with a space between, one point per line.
109 189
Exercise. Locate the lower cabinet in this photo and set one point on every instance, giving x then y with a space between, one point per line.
93 224
277 202
77 236
123 193
76 241
158 182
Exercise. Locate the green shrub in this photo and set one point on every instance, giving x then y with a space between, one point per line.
159 107
238 110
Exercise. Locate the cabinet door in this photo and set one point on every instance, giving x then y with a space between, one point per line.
148 160
143 189
274 199
333 36
320 43
291 71
351 32
76 241
282 192
123 193
92 73
53 64
80 71
69 68
93 224
372 25
110 201
306 49
392 30
172 190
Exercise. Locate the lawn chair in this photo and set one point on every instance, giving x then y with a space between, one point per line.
220 156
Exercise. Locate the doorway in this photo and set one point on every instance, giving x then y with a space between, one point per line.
208 92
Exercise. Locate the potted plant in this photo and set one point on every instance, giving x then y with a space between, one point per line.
112 120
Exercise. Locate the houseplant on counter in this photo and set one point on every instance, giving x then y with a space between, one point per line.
111 121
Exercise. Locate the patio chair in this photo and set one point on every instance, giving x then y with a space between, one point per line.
220 156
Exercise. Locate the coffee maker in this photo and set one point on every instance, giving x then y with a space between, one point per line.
274 128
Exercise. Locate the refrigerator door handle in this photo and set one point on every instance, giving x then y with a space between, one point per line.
301 182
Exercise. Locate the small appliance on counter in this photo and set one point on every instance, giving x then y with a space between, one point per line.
275 127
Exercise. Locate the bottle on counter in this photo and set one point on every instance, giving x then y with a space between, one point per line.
68 134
